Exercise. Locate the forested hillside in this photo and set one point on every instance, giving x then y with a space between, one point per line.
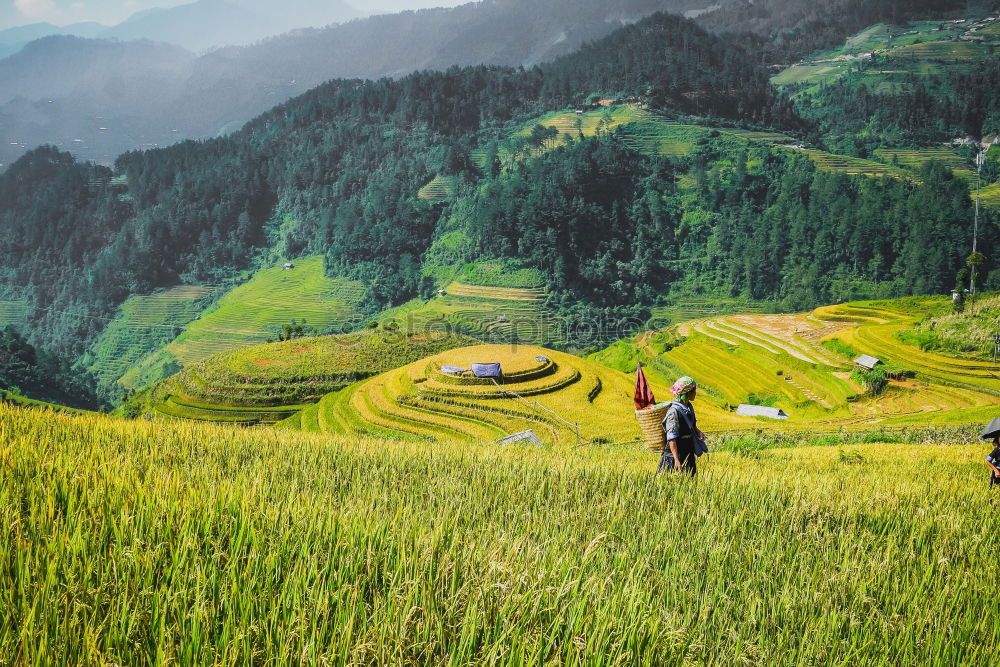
219 91
616 219
109 111
335 171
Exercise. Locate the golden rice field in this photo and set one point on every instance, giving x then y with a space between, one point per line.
145 542
562 398
802 364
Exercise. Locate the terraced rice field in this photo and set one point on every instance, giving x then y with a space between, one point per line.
913 160
143 325
268 383
812 73
441 189
13 313
645 132
486 313
950 386
944 51
563 399
657 137
590 122
990 196
693 309
255 311
479 156
782 359
842 164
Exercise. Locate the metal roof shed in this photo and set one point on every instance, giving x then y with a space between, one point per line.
747 410
867 362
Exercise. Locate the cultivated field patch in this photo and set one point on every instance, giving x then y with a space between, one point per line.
143 325
256 311
13 314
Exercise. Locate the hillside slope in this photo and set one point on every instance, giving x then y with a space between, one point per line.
803 364
562 398
267 383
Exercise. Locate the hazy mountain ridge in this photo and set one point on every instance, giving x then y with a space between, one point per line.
221 90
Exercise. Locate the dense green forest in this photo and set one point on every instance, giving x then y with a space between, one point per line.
24 369
852 118
613 228
337 171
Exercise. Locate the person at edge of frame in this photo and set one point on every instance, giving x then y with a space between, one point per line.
685 442
993 461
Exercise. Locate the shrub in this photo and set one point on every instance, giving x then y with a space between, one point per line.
874 381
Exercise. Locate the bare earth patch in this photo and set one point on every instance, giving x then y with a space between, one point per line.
300 350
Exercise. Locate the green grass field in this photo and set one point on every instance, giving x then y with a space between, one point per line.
144 324
255 311
143 542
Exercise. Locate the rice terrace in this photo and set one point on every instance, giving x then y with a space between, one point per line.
500 333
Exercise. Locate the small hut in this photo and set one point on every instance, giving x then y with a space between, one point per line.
289 266
867 362
747 410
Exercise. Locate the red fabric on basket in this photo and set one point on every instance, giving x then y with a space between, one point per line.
643 394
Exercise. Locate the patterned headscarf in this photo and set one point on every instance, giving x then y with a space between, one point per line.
683 386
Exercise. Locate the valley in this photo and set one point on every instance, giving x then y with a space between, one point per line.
355 381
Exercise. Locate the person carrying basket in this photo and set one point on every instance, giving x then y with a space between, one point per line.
685 442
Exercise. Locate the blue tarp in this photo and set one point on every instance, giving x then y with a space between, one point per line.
453 369
487 370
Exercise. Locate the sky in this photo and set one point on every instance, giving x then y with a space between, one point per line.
110 12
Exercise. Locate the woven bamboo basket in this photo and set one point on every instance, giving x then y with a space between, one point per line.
651 424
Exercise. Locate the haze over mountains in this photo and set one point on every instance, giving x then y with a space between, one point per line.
85 95
196 26
98 98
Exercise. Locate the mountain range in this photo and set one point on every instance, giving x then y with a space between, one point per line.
197 26
208 95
